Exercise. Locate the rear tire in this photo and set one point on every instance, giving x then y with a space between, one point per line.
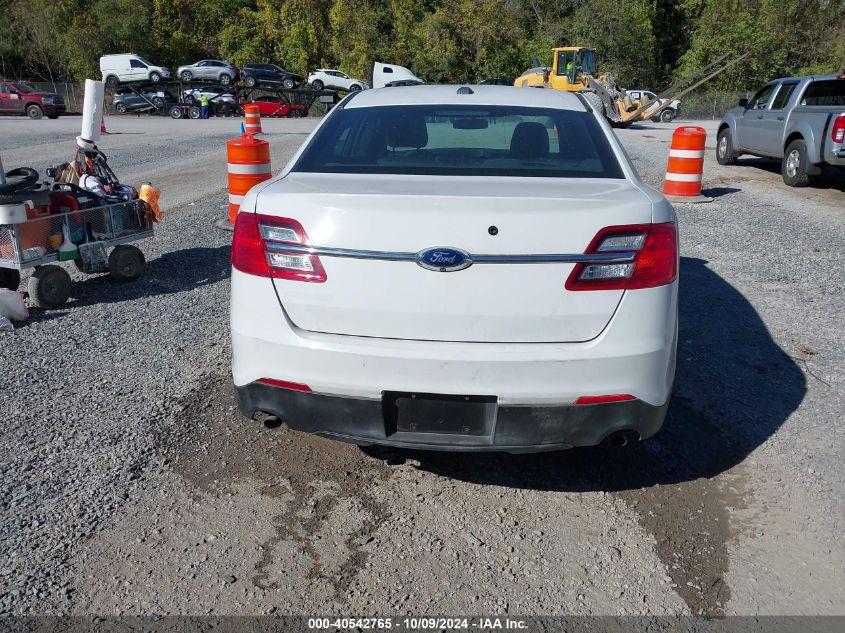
317 84
249 81
112 81
194 112
294 113
288 84
725 155
225 79
175 112
10 278
49 287
34 112
187 76
126 263
794 166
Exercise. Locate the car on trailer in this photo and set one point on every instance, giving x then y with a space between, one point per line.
126 67
18 97
209 70
271 106
334 79
146 100
457 268
263 74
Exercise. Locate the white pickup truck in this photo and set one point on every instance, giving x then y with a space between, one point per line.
799 120
665 114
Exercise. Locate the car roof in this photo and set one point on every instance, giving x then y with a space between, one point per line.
428 94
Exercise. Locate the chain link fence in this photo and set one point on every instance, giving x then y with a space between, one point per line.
711 104
699 104
73 93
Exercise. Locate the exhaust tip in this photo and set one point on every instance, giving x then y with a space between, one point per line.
618 439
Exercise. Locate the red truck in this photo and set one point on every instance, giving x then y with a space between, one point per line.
17 97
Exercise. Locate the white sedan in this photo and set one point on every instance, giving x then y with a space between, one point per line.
335 80
462 268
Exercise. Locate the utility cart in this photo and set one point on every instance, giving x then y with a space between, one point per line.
38 237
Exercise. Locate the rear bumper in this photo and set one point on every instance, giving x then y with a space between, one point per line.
514 428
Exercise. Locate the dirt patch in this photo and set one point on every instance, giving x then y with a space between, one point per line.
312 477
691 521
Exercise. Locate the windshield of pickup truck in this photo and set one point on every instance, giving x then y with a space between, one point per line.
829 92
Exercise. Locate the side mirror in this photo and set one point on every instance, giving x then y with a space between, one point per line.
743 103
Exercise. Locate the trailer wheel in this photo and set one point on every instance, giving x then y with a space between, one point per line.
49 286
175 112
194 112
126 262
668 115
10 278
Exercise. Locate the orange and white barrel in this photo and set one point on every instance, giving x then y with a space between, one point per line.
248 160
252 119
686 163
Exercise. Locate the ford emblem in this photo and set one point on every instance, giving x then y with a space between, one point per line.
443 259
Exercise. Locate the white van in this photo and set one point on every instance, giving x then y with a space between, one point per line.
125 67
393 75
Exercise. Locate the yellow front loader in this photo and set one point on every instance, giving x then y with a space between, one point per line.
573 69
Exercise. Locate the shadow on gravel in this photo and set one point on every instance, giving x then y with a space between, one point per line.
718 192
174 272
830 178
734 388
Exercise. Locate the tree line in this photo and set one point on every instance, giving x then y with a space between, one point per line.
645 43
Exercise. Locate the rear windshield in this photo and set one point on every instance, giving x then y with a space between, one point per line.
461 141
830 92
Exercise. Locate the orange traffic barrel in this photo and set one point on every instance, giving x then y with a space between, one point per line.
248 160
252 119
686 165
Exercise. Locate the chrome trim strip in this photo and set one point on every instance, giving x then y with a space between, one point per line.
579 258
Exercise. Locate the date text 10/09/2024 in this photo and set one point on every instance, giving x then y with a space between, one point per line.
418 624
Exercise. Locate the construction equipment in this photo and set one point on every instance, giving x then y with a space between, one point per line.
573 69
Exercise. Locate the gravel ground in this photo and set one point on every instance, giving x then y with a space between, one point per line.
132 486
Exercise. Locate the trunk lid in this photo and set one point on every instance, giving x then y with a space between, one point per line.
486 302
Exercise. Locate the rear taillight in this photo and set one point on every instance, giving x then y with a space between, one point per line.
838 132
617 397
284 384
259 247
655 261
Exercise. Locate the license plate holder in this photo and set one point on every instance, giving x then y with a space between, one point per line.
438 415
